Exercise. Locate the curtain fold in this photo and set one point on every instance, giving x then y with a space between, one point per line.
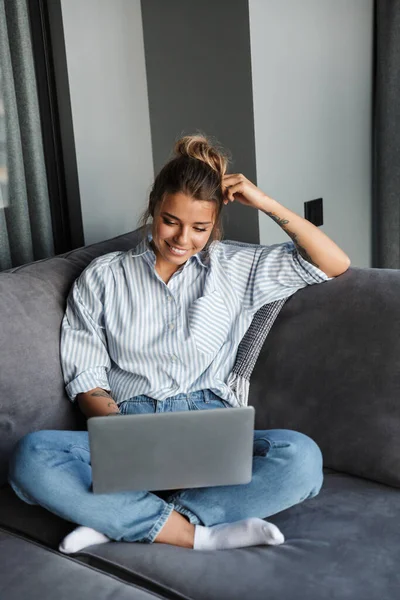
386 136
25 221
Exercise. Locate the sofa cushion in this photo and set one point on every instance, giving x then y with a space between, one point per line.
33 298
330 369
31 521
342 544
28 570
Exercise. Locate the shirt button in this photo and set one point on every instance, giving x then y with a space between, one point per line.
169 298
173 358
172 325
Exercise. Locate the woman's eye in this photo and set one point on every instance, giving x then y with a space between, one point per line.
172 223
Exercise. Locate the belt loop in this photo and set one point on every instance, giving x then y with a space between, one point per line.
206 396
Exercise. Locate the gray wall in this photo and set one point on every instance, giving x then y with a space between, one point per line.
285 86
107 77
312 88
199 77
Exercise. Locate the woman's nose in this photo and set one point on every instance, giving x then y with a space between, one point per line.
182 237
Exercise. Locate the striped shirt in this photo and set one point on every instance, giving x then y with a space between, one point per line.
127 331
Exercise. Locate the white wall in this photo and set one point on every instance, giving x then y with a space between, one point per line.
107 78
312 91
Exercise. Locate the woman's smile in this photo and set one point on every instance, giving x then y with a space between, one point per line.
175 250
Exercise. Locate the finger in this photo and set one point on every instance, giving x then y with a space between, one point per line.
232 189
231 178
227 195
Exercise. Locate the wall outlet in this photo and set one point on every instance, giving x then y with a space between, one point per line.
313 212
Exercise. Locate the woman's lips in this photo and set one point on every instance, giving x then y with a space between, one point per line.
177 252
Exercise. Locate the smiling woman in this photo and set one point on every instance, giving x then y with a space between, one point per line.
163 322
185 203
181 230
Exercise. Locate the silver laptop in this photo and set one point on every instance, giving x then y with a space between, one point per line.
175 450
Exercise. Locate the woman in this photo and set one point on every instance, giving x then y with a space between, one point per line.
157 329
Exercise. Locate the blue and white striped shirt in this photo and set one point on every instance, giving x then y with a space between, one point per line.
127 331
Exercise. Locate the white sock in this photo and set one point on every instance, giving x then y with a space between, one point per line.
80 538
249 532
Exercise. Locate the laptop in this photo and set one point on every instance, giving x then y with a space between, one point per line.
171 451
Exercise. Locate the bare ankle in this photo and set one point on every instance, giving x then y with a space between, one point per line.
177 531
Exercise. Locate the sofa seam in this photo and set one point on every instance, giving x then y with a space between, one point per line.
176 595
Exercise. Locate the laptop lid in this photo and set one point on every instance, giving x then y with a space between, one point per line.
175 450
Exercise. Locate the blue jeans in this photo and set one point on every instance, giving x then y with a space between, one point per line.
52 469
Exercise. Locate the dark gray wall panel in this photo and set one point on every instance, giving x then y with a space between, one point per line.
199 78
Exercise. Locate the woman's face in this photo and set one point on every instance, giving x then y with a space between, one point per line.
181 229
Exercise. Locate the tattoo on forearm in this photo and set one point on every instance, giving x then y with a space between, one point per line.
302 251
277 219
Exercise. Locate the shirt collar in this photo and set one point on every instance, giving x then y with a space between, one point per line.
144 247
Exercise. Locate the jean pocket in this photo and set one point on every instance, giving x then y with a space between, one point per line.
201 405
138 405
209 322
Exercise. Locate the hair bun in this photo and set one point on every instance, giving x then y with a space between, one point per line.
202 148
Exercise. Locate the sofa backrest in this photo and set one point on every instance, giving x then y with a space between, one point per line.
32 305
330 368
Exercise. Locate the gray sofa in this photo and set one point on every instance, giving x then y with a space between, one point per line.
330 368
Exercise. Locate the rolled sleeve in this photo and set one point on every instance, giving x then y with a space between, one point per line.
84 354
279 272
265 274
308 272
88 380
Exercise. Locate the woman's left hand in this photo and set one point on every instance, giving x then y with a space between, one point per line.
238 187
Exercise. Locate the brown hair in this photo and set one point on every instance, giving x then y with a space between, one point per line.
196 170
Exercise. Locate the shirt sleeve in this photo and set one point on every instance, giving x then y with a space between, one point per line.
83 348
264 274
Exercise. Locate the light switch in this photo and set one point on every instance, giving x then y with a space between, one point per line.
313 212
